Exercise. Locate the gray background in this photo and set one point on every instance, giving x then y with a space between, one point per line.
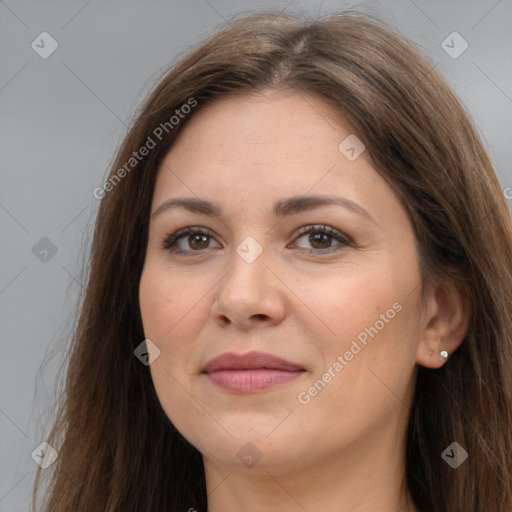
63 117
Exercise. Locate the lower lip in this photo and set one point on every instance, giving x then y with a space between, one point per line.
251 381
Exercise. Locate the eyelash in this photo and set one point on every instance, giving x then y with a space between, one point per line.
169 242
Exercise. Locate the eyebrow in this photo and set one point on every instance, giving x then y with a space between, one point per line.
283 208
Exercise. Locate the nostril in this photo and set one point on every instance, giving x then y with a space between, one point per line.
225 320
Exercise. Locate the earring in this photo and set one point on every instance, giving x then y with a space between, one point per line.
444 354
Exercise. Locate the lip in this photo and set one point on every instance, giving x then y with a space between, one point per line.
250 372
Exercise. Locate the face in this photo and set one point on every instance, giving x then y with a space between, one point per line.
332 289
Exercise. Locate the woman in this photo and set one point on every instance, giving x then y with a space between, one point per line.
300 290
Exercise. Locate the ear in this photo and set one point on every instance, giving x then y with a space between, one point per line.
444 323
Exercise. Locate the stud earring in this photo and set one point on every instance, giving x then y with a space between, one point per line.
443 354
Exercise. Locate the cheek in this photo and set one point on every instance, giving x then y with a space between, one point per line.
353 301
368 387
173 309
164 306
371 316
166 303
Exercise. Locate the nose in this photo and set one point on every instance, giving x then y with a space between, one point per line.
250 294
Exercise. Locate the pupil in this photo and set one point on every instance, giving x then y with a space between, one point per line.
317 238
197 238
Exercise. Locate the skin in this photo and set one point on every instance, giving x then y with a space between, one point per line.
343 450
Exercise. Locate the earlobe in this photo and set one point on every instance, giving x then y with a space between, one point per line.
443 354
431 358
445 325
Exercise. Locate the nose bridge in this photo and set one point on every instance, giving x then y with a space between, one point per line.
248 289
248 263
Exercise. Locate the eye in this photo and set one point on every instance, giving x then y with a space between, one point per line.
321 239
193 239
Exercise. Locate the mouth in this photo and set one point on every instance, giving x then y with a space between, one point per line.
250 372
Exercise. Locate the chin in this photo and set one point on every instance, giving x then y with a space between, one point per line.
255 456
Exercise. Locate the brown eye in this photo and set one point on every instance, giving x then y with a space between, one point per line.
321 239
197 241
188 240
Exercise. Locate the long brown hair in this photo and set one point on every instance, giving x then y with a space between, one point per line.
118 450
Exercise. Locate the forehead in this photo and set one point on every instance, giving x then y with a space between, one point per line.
275 119
274 135
250 151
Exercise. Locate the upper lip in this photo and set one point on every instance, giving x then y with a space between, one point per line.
248 361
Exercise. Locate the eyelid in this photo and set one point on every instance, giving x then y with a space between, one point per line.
323 228
190 230
343 239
